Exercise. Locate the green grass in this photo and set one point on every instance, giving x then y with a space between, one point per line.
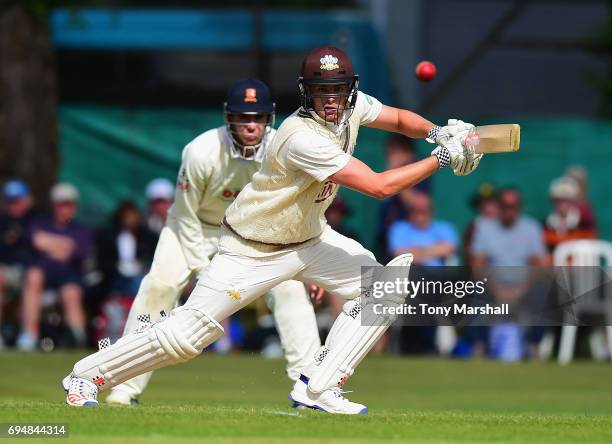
243 399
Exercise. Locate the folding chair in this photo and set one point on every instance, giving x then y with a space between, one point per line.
584 253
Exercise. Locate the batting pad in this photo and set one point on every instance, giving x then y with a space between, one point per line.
154 296
348 342
177 338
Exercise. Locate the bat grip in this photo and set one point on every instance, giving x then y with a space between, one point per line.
471 141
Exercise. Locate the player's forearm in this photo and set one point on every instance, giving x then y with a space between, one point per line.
393 181
191 241
402 121
189 227
413 125
359 177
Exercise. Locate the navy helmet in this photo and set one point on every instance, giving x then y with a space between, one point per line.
250 97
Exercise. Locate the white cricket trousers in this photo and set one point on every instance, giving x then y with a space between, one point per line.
232 281
169 275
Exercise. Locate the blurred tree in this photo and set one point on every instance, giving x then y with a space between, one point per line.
28 98
28 83
601 44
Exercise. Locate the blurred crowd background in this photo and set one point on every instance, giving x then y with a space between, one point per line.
98 98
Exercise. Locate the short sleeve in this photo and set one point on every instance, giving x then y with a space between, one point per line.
367 107
316 156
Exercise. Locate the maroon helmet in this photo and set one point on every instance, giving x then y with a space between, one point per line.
328 65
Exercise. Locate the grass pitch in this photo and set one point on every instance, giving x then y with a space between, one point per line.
237 399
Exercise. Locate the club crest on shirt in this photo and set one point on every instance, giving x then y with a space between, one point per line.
327 190
183 182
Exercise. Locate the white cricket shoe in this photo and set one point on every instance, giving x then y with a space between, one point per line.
80 392
120 398
330 401
403 260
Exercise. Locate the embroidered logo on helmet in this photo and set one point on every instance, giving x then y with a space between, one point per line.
250 95
329 63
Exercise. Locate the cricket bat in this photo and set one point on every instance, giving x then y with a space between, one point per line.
495 138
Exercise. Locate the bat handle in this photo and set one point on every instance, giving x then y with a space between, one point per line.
471 140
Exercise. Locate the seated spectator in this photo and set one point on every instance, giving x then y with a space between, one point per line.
399 151
487 208
513 239
431 242
160 193
566 222
579 174
59 247
14 247
513 242
126 251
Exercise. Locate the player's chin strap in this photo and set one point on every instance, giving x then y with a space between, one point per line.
349 341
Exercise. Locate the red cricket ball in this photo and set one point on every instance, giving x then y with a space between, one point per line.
425 71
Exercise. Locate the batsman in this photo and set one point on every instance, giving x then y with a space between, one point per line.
215 166
275 230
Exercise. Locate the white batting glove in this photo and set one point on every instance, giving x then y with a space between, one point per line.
459 158
455 128
469 164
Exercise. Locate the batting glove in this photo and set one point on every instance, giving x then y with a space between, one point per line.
455 128
458 157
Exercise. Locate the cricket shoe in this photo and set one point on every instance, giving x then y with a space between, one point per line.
330 401
120 398
80 392
403 260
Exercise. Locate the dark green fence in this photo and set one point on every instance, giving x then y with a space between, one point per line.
112 153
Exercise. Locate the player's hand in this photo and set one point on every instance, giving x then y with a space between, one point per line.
454 129
315 293
453 152
469 164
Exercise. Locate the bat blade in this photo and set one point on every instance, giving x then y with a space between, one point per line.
488 139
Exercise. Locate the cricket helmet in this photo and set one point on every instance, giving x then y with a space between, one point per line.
328 65
248 97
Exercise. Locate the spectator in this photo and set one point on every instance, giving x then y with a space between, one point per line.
126 251
399 151
566 222
487 208
513 240
579 174
431 242
59 247
160 193
13 239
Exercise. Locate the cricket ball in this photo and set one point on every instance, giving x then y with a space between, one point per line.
425 71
